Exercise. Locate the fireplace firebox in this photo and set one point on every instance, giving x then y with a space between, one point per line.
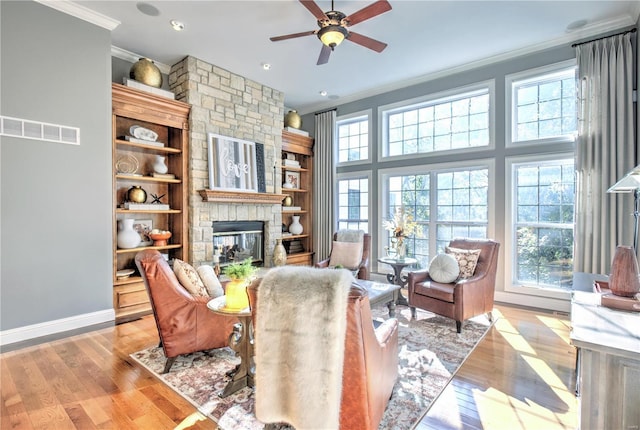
236 241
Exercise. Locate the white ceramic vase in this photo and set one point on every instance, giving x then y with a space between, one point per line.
127 237
295 227
159 165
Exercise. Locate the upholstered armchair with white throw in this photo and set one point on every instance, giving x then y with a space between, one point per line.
350 249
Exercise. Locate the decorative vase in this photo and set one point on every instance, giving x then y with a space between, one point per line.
279 254
295 227
288 201
292 119
236 294
145 71
127 237
136 194
401 249
624 272
159 166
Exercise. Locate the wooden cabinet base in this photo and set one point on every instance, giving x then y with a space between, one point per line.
300 259
130 301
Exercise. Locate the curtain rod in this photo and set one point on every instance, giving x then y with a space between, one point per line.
633 30
325 111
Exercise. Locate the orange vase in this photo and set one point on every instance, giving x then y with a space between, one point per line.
624 272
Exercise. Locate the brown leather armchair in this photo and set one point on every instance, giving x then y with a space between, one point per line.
370 362
462 299
363 270
184 322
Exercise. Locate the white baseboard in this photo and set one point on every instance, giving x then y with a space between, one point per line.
551 304
56 326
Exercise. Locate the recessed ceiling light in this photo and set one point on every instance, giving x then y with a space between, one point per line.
323 93
266 66
147 9
176 25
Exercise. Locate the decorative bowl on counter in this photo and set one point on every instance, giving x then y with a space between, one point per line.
159 237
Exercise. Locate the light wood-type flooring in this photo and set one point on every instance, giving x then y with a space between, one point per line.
521 376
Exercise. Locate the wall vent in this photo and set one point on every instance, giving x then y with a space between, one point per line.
15 127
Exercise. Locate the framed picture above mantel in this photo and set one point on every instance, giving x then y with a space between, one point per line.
233 164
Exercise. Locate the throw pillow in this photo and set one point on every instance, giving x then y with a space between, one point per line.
347 254
444 268
467 260
210 280
189 279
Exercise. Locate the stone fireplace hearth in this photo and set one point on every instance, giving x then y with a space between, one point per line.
230 105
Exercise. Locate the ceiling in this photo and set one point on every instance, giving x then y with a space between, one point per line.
425 39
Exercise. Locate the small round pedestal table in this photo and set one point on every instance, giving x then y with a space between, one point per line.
398 264
241 341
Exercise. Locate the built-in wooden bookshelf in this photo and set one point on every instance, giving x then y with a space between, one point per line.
301 147
169 119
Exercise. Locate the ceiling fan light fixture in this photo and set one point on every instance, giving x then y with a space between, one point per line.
332 35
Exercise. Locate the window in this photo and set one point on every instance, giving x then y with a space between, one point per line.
543 104
462 205
353 203
455 121
542 201
353 139
447 203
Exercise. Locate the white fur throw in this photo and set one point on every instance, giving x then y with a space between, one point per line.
299 346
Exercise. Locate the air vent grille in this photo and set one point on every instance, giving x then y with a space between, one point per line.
27 129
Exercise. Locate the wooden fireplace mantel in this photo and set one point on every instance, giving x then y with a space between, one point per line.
241 197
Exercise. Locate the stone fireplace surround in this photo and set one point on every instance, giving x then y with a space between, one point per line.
231 105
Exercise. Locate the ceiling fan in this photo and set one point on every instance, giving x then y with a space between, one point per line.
333 27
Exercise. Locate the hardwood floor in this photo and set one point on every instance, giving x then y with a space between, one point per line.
519 377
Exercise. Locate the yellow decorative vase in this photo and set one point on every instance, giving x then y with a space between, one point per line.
292 119
145 71
236 294
136 194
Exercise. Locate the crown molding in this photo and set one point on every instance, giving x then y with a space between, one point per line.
132 57
81 12
596 29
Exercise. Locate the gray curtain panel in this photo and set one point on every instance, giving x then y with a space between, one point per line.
606 150
323 181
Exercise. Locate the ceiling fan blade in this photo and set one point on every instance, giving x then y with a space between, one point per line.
314 9
367 12
324 55
367 42
291 36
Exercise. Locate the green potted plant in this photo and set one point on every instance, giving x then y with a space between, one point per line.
236 289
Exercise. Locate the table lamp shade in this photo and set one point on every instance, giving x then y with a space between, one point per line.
630 183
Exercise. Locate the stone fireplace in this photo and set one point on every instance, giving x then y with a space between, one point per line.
230 105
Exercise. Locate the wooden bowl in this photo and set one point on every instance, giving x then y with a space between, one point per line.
160 239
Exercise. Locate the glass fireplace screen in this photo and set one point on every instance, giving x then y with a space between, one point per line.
235 241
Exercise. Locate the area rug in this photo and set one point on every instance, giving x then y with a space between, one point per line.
430 352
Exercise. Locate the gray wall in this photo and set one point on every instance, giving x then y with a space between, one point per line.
55 220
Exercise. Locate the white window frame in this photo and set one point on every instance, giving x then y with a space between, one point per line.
383 192
510 108
361 114
510 284
443 96
347 176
